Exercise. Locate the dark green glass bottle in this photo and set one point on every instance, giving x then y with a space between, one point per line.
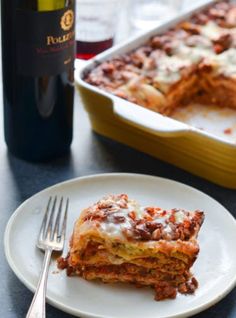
38 51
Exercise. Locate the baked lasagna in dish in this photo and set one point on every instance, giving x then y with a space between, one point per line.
117 240
194 61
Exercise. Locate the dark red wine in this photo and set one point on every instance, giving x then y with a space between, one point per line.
38 50
87 50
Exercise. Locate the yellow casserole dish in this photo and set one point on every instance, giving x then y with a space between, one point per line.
197 151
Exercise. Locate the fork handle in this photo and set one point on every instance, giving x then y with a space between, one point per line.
37 307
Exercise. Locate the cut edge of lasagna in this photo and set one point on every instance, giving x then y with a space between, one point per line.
117 240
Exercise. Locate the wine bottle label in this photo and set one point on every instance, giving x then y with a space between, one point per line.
45 41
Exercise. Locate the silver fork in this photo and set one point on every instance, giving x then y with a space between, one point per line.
51 238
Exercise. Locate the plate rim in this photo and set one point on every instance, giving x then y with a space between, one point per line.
68 309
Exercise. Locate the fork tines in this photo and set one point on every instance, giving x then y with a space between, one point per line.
54 224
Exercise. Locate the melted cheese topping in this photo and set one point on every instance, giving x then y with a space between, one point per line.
191 51
194 54
194 49
116 230
169 69
211 30
225 63
119 220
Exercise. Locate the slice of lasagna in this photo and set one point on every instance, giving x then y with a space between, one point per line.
117 240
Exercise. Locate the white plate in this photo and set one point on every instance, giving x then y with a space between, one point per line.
215 267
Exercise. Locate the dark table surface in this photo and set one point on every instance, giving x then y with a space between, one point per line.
90 154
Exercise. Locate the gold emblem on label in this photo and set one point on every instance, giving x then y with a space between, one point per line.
67 20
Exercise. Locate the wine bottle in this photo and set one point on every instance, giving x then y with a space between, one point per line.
38 49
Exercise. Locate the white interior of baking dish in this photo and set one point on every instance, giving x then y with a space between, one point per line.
195 119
